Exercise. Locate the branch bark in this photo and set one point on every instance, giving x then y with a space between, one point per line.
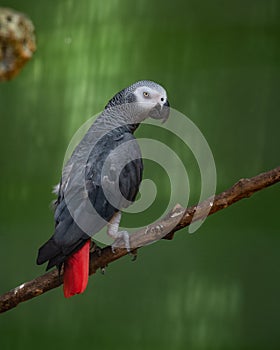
177 219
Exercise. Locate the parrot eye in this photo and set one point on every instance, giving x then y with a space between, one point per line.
146 94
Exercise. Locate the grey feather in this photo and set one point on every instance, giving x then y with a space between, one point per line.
82 207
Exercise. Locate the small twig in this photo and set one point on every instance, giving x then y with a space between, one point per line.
177 219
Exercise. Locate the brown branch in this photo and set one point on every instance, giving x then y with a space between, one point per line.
177 219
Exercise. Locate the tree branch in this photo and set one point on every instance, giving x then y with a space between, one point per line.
178 218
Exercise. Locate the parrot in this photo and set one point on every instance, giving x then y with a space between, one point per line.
100 179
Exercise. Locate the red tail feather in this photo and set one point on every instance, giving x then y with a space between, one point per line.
76 272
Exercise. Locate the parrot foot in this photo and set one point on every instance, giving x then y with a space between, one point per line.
121 241
121 238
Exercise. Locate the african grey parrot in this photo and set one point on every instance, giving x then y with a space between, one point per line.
101 178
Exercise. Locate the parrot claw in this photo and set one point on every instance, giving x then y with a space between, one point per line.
95 248
133 254
121 241
103 270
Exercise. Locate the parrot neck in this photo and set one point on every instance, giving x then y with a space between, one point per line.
123 118
130 127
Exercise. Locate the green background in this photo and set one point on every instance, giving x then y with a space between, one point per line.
220 62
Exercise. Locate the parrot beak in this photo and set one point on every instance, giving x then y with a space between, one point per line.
160 112
165 110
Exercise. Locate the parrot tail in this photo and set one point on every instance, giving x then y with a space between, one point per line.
76 272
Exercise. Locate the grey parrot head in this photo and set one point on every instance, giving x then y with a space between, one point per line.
149 97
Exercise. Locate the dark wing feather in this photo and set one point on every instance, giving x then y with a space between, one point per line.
69 236
130 179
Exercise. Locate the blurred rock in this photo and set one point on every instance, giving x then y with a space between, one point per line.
17 42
